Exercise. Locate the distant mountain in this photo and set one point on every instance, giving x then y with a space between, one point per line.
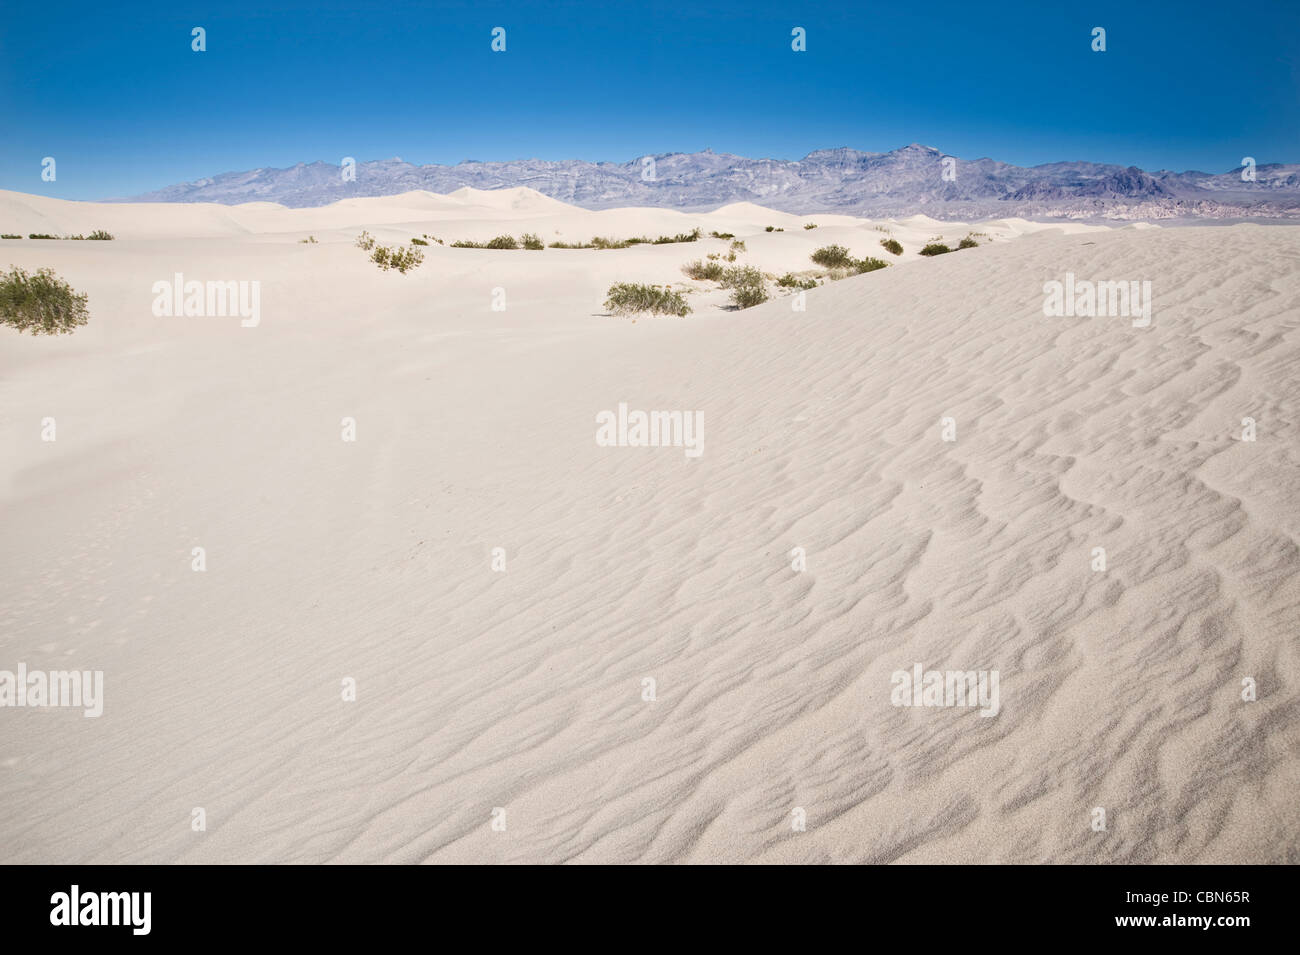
901 182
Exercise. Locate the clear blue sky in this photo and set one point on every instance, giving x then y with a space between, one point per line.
115 94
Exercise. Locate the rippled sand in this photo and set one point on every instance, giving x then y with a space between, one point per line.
1120 689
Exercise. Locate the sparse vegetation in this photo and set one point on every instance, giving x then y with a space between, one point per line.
310 240
365 241
892 246
790 280
746 284
722 235
707 271
626 298
100 235
531 241
935 248
501 242
418 242
42 304
859 266
773 228
40 235
810 225
680 237
833 257
8 236
968 243
396 257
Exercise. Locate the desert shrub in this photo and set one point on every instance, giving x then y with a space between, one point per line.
531 241
810 225
41 235
501 242
570 245
790 280
746 284
75 237
432 238
832 256
737 246
466 244
42 304
101 236
8 236
626 298
679 237
310 240
418 242
859 266
711 271
935 248
365 241
396 257
968 243
600 242
892 246
722 235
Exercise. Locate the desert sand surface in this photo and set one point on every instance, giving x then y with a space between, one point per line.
523 689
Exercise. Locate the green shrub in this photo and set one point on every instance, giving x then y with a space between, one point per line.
722 235
710 271
8 236
790 280
531 241
868 264
42 304
968 243
810 225
102 236
396 257
466 244
569 245
680 237
935 248
832 257
365 241
626 298
418 242
41 235
310 240
746 283
892 246
501 242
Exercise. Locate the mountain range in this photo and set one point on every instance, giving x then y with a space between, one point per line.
903 181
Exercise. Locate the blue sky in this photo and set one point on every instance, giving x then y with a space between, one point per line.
115 94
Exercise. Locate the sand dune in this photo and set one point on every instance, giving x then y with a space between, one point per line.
523 689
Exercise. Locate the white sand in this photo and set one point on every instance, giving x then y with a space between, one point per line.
476 429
